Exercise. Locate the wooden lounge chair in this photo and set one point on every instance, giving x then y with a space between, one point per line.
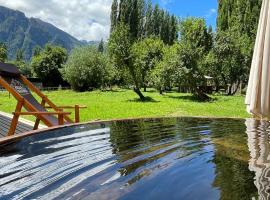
19 87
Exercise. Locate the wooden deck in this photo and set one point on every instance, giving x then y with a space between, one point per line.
5 121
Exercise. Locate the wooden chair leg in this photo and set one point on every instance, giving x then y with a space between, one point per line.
15 119
61 119
43 102
36 124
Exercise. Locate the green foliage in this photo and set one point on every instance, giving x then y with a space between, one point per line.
101 46
147 54
144 21
230 58
114 14
3 52
236 29
120 46
47 65
162 75
194 31
23 66
120 52
87 69
182 62
19 55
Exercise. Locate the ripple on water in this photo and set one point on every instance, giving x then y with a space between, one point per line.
173 158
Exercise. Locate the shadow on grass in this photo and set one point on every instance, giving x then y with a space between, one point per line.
113 90
192 98
146 100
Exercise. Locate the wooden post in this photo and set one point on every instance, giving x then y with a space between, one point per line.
60 117
77 113
15 118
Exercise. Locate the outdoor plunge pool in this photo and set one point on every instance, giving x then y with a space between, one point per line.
168 158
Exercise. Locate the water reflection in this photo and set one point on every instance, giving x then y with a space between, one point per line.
259 147
172 158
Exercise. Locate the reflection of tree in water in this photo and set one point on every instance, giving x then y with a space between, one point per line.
259 147
140 144
233 177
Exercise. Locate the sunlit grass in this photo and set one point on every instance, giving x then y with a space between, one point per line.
124 104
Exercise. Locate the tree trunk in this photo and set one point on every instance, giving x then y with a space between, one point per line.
160 91
139 93
236 89
201 95
144 87
229 93
217 86
136 83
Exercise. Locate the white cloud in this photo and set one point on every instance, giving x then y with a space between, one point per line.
164 3
84 19
211 13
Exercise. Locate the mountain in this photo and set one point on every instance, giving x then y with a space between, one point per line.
20 32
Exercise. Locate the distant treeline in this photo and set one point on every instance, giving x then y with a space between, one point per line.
144 20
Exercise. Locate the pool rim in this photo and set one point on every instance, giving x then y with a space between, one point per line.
20 136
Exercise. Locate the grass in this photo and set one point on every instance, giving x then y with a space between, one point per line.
124 104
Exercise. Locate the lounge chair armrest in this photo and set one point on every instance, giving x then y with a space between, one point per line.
76 109
59 113
67 107
42 113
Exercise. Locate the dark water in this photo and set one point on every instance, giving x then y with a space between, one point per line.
174 158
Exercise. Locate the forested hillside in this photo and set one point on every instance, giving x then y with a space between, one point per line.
19 32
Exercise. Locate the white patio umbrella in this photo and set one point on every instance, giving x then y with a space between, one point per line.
258 92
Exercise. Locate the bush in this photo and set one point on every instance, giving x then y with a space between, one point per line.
48 63
87 69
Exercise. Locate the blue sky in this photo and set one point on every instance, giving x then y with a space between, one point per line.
198 8
73 16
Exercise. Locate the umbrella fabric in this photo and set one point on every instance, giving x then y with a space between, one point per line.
258 92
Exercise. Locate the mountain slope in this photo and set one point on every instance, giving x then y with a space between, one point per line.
18 31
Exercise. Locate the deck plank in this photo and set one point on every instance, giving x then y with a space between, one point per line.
5 121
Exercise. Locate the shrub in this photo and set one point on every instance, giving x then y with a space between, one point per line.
87 69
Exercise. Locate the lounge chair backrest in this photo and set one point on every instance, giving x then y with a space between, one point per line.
12 76
21 88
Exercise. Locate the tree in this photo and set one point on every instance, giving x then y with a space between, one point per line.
231 60
23 66
212 67
37 50
194 45
3 52
144 21
162 75
156 20
114 14
86 69
149 29
101 46
173 31
147 54
194 31
47 65
120 53
19 55
239 19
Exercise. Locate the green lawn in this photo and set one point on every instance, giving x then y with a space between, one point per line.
124 104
